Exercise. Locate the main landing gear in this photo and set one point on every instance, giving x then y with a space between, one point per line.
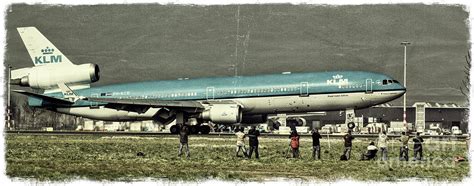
193 129
174 129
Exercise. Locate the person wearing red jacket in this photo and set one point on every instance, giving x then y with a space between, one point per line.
295 144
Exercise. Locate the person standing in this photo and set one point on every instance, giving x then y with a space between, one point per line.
316 144
418 147
295 144
183 140
404 146
348 144
382 143
253 142
468 140
240 142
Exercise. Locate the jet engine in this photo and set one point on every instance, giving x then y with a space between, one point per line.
296 121
223 114
48 76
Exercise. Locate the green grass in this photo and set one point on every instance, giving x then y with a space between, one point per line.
62 158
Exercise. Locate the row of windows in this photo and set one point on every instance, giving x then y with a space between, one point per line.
352 86
257 91
170 95
223 92
173 95
218 92
236 92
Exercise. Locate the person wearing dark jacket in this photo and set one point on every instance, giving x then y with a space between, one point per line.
253 142
183 140
316 145
404 138
418 147
348 144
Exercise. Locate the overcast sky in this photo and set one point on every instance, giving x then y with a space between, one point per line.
155 42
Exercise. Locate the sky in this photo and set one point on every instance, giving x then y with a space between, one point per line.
139 42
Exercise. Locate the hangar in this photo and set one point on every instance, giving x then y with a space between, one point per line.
447 114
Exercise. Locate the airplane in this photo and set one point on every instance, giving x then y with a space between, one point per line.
221 100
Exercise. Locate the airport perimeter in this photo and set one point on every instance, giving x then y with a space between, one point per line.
129 158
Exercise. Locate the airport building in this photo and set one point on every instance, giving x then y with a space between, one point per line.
422 115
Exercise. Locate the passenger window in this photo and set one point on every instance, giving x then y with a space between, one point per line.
384 82
389 81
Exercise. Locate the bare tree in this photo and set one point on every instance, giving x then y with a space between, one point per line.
27 117
466 86
32 115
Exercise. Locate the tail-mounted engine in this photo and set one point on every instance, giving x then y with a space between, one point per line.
48 76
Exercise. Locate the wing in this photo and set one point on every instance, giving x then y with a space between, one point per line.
190 106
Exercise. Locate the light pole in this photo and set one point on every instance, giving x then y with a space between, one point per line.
405 43
8 98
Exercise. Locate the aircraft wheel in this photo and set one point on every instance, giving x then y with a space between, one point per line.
194 129
205 129
351 125
276 125
174 129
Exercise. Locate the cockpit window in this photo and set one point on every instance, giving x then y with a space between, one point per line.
389 81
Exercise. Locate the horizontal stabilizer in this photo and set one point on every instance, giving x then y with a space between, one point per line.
43 97
19 73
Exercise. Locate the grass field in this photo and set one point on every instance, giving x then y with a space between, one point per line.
115 158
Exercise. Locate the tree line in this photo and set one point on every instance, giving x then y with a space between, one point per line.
25 117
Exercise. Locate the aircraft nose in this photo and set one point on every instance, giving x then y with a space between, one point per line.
401 87
401 91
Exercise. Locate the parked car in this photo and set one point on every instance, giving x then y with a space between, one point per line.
456 131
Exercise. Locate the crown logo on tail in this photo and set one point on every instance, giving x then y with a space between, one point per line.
47 50
338 76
